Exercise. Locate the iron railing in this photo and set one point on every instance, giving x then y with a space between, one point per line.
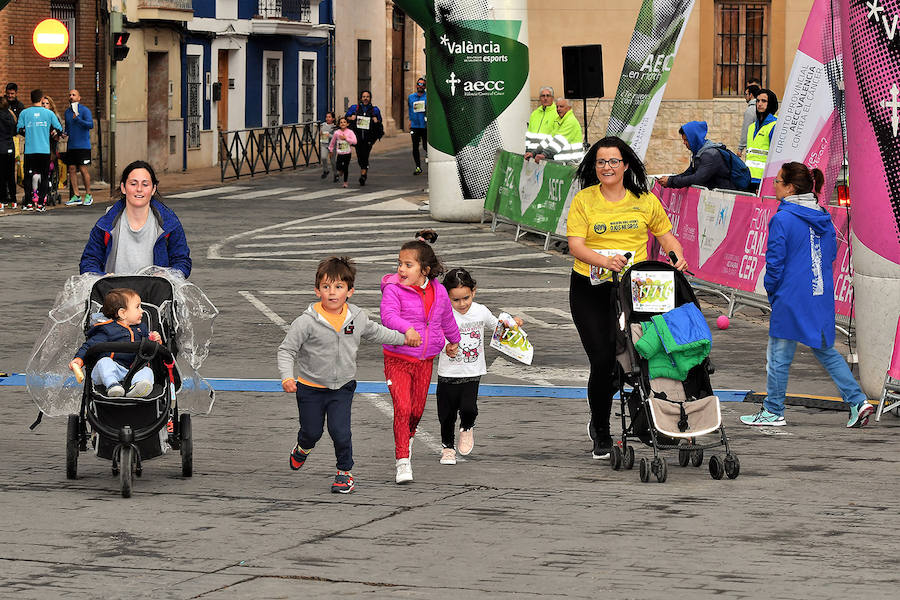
292 10
246 152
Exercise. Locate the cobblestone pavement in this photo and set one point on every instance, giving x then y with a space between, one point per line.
528 514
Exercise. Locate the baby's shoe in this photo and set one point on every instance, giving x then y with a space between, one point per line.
115 391
140 389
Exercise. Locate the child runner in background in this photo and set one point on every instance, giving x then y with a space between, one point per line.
326 156
459 376
322 343
340 144
122 306
412 302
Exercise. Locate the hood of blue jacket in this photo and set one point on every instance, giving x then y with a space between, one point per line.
818 219
695 131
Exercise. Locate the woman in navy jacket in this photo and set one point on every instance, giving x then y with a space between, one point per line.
150 233
801 248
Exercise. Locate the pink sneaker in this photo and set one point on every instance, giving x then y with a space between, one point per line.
466 441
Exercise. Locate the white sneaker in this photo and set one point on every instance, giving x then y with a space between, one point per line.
448 456
404 471
410 445
115 391
140 389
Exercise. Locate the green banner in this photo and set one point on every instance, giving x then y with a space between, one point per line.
535 195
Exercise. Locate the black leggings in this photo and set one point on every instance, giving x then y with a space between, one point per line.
8 178
363 148
419 134
453 398
594 314
343 164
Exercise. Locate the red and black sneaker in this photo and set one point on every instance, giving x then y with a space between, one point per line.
298 457
343 483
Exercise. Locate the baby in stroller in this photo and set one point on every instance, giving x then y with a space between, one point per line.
122 306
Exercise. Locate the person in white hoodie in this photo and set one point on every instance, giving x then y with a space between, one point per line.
322 344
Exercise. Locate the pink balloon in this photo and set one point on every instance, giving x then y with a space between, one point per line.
722 322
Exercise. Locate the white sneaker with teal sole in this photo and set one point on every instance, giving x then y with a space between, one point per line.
859 414
764 419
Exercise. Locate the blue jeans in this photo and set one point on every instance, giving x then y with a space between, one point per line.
109 372
317 404
780 354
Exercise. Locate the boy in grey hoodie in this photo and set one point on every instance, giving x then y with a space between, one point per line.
322 343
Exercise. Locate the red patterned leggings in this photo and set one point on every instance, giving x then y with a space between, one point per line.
408 383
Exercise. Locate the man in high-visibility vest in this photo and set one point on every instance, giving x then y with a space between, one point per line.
759 135
541 123
566 144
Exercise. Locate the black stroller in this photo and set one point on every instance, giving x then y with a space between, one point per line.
131 430
665 414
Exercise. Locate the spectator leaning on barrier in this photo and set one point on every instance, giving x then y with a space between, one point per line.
708 167
759 135
750 95
564 145
541 122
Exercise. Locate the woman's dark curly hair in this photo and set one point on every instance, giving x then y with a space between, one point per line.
431 265
635 179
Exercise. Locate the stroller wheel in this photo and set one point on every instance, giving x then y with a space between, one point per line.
615 458
72 447
684 457
126 470
660 468
697 457
732 466
628 462
716 468
644 469
187 445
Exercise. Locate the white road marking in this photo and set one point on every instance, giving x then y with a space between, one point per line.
261 193
444 253
508 257
261 306
390 242
538 375
481 291
375 195
423 436
319 194
527 313
393 223
208 192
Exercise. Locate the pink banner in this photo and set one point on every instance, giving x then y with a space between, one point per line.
872 78
724 239
809 127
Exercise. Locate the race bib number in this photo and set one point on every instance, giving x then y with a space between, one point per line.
363 122
599 274
419 106
343 147
653 291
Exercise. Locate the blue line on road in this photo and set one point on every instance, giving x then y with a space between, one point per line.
379 387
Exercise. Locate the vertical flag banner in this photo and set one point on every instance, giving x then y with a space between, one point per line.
809 122
654 43
871 42
477 73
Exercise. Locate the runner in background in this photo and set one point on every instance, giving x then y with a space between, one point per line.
366 122
418 129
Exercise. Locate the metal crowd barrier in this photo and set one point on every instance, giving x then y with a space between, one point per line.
246 152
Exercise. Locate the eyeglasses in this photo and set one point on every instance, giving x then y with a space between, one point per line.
613 162
778 181
546 95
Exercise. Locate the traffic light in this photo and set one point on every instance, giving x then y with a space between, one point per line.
119 49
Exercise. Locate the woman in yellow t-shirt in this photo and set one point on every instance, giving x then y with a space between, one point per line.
610 217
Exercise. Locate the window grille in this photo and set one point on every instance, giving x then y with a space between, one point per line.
742 46
65 12
194 96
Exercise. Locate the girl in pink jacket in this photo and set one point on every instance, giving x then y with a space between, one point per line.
412 302
341 141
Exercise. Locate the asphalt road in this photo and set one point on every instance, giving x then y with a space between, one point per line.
528 514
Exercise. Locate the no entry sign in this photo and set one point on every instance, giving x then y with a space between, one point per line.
51 38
